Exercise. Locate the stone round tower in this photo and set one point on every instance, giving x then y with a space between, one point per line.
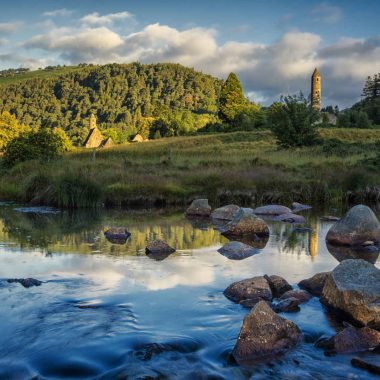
92 121
316 90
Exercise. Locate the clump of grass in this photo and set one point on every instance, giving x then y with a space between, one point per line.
72 192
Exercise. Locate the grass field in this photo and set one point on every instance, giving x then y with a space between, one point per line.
241 167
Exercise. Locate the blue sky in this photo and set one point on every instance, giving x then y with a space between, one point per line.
272 45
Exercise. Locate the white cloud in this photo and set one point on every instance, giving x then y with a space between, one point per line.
327 13
97 19
63 12
267 70
9 27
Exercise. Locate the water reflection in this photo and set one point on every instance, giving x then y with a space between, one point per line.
370 253
119 313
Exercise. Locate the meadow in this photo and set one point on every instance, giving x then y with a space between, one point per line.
241 167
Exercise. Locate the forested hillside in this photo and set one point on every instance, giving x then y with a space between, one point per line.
126 98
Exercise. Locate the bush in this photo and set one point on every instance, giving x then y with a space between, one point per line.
354 119
294 122
43 144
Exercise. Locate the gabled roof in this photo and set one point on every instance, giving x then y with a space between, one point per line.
93 139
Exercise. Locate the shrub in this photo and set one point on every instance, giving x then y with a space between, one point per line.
293 121
43 144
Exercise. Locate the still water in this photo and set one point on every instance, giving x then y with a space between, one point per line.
108 311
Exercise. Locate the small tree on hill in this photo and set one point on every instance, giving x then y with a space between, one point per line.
10 128
232 100
294 121
43 144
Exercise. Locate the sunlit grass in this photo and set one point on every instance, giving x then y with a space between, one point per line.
242 167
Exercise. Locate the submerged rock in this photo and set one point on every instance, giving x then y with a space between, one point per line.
252 288
272 210
245 223
291 218
370 367
199 207
25 282
264 335
117 235
278 285
159 250
356 227
315 284
225 212
236 250
352 339
353 289
253 241
329 218
296 207
368 253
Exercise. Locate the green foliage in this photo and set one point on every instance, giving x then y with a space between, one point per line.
371 107
43 144
293 121
9 128
232 100
123 97
354 119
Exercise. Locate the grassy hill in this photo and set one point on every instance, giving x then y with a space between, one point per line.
241 167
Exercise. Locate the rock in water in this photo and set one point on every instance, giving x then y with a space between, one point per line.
272 210
296 207
264 334
370 367
199 207
235 250
352 339
117 235
25 282
287 305
291 218
245 223
353 288
225 212
252 288
315 284
356 227
159 247
278 285
368 253
301 295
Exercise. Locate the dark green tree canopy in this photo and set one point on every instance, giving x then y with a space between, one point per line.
232 100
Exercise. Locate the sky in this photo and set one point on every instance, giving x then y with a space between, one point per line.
272 45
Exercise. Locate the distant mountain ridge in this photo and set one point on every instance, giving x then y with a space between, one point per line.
120 95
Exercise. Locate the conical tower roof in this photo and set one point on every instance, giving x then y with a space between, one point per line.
316 72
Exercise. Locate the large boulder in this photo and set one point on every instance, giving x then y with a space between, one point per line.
264 335
278 285
199 207
287 305
255 288
235 250
356 227
315 284
353 290
117 235
272 210
245 223
225 212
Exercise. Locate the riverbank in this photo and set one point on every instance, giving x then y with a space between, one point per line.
242 167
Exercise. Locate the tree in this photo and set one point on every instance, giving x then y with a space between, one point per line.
294 121
43 144
10 128
354 119
232 100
